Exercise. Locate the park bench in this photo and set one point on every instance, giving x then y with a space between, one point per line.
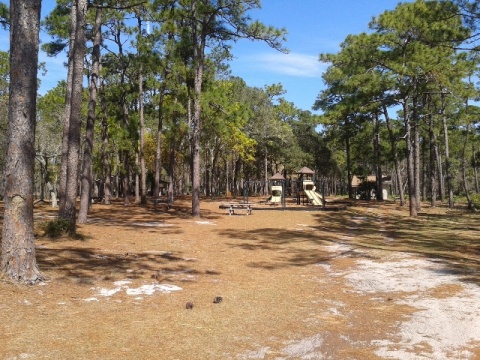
162 201
239 206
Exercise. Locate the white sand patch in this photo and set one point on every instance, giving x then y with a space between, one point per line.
338 248
205 223
121 283
151 224
308 348
255 354
447 325
442 328
152 288
404 275
123 286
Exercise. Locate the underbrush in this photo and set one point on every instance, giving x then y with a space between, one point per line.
57 228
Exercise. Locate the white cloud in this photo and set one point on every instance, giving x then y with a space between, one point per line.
292 64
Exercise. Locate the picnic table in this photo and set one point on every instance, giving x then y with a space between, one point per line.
237 206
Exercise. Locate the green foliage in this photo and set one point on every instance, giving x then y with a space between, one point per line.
4 15
58 227
475 199
365 190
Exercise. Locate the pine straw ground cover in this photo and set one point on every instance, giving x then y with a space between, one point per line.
362 282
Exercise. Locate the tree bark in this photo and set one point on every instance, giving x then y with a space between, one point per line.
448 174
433 169
474 166
18 258
62 186
158 152
87 177
107 168
143 170
410 162
68 211
396 162
199 43
414 121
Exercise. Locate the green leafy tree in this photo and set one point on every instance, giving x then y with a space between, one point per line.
206 23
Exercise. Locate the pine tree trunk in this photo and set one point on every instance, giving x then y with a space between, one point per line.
410 163
349 167
416 152
198 60
396 162
464 169
68 212
448 174
171 169
433 169
440 177
107 168
62 186
18 258
143 171
474 166
87 177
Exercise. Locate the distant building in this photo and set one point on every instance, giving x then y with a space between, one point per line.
359 186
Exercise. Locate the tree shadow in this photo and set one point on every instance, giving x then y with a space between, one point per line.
88 265
451 239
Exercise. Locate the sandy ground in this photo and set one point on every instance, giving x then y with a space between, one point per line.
363 282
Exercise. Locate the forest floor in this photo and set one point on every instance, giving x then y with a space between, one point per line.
359 280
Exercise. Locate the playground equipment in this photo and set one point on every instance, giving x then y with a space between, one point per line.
304 188
307 189
277 188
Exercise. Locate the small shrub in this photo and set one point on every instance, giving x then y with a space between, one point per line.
475 199
58 227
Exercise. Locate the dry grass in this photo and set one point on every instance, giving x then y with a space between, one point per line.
275 296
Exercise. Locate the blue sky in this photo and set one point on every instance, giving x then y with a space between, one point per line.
314 27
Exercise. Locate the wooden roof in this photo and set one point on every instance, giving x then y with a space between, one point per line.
305 170
277 176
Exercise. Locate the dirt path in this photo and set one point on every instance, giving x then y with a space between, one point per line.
272 285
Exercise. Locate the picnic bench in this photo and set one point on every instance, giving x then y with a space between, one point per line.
162 201
239 206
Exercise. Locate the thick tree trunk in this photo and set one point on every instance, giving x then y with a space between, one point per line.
18 260
87 177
